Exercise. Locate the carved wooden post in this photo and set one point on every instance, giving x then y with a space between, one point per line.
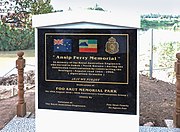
177 109
21 106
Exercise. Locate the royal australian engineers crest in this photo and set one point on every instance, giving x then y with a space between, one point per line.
112 47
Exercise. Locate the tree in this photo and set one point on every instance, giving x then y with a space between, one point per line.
41 7
16 26
19 12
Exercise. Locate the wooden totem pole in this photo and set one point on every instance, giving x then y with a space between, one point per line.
20 64
177 109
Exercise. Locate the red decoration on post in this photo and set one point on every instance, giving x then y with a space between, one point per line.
20 64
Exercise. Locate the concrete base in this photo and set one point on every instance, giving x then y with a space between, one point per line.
28 115
157 129
19 124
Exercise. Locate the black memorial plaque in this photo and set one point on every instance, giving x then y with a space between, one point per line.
88 70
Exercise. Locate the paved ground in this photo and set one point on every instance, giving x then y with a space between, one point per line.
158 129
20 125
28 125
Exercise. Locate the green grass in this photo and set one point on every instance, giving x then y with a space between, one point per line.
27 53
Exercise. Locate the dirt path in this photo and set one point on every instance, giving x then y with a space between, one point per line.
8 107
157 101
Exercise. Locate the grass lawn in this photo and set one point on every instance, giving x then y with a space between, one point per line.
27 53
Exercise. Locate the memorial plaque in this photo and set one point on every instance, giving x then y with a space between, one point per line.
90 70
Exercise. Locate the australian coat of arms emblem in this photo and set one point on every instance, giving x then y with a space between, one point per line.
112 47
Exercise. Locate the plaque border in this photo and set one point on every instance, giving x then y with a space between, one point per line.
88 34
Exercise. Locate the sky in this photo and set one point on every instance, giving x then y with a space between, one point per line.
123 6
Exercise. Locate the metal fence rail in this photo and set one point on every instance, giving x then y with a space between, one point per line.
5 75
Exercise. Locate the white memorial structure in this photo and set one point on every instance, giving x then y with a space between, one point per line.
86 72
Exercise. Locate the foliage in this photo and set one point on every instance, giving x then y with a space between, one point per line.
145 16
166 52
15 39
158 21
16 27
97 8
147 24
41 7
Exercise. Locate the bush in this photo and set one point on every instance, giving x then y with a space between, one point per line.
12 38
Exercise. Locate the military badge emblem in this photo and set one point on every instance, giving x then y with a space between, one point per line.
112 47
